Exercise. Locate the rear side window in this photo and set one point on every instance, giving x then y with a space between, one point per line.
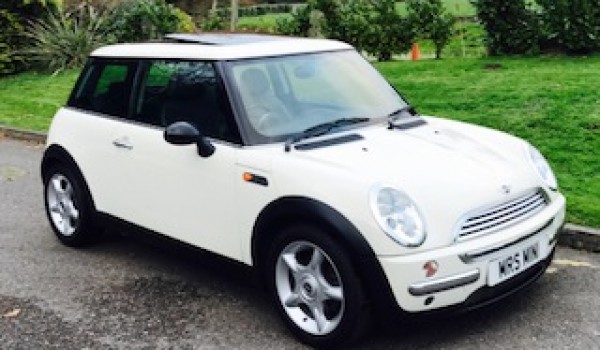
105 87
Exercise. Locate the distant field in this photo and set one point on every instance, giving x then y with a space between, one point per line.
551 102
266 23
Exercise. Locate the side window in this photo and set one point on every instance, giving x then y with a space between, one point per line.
105 87
188 91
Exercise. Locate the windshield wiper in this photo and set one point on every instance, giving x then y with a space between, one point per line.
322 129
403 118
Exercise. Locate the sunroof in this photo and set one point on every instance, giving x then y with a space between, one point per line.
221 39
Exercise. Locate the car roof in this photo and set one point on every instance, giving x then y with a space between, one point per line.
220 46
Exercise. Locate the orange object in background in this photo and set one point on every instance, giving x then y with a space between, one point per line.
415 54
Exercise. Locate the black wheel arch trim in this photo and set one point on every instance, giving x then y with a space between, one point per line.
295 209
56 153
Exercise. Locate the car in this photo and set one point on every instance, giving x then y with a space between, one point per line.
297 158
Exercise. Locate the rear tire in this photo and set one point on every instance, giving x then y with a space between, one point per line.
68 206
315 287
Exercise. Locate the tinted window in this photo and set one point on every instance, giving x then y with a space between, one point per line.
105 87
174 91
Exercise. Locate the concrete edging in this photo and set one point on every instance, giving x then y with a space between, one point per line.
22 134
575 236
580 237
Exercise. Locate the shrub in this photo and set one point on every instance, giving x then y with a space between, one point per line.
571 25
430 20
14 15
298 24
369 25
511 26
142 20
388 32
10 30
213 22
354 19
63 40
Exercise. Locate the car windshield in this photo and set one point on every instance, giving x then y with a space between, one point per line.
284 96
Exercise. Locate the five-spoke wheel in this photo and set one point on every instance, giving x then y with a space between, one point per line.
62 204
309 287
68 205
315 286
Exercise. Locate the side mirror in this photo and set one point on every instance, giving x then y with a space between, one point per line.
184 133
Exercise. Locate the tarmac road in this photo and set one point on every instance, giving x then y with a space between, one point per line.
127 294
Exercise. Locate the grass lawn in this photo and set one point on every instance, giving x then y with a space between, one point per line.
29 100
264 23
551 102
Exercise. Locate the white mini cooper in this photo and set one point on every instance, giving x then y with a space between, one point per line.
296 157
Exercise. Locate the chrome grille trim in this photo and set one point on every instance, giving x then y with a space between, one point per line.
503 215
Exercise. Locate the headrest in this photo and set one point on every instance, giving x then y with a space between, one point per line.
255 81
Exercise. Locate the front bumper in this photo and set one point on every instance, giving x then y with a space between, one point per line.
462 277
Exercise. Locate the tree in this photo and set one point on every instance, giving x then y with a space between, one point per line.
511 26
387 31
430 20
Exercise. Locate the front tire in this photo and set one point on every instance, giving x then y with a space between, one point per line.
68 206
316 288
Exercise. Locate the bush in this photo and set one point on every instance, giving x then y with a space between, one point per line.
64 40
571 25
429 20
14 15
512 27
387 33
10 30
142 20
213 22
372 26
297 25
300 22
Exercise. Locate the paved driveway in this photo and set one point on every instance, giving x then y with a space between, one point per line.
128 294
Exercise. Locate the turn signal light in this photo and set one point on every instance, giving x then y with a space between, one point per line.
431 268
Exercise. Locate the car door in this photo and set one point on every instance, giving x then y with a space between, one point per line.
171 189
98 103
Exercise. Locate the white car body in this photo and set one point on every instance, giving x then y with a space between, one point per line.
450 171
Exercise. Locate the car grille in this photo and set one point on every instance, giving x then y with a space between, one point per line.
503 215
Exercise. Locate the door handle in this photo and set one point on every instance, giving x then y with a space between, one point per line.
123 143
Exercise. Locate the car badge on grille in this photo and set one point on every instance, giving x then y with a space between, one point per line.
505 189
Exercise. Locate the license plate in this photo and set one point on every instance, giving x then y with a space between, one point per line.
513 262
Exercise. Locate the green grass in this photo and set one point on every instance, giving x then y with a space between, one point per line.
29 100
551 102
264 23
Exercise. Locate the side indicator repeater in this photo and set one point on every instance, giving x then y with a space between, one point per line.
259 180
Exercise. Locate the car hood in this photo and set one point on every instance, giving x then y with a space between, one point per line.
447 168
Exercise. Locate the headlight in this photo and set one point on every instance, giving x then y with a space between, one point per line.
397 216
542 167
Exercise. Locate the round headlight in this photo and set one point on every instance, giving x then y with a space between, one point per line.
397 216
542 167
